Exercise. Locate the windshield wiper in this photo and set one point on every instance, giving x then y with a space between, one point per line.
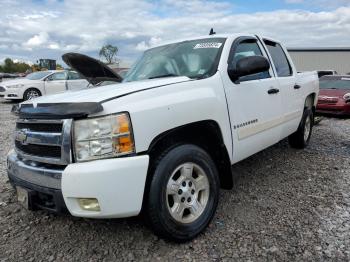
161 76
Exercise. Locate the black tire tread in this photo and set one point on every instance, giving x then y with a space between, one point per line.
152 211
296 140
26 92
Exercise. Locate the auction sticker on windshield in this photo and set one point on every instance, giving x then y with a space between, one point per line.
207 45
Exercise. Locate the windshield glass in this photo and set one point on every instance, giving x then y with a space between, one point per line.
194 59
38 75
335 84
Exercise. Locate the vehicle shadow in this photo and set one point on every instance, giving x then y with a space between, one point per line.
332 116
10 102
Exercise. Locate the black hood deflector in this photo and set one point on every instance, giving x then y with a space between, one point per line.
90 68
59 110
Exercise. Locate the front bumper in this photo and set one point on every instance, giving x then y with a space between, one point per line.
11 93
118 185
338 109
43 185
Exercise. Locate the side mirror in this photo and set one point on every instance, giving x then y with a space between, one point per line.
249 65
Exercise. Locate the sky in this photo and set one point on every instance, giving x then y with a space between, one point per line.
34 29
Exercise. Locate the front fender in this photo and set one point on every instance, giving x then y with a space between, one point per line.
158 110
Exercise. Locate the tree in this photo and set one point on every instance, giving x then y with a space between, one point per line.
59 67
12 67
9 66
109 53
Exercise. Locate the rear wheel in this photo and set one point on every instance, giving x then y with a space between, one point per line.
300 139
183 193
31 93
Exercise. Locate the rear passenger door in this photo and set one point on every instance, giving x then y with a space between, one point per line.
254 110
290 89
76 82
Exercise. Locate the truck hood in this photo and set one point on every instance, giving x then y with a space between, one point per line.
91 69
106 93
81 103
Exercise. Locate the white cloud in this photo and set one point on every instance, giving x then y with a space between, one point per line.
143 45
47 29
54 46
37 40
21 61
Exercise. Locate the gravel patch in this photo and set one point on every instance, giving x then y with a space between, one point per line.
286 205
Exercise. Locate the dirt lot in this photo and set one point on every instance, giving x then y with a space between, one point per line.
286 205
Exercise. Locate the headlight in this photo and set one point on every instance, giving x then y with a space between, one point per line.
347 97
103 137
15 86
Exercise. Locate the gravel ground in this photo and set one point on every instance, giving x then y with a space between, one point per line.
286 205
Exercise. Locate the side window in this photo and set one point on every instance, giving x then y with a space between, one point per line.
74 76
245 49
58 76
279 58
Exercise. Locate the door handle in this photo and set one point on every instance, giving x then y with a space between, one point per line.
297 86
273 91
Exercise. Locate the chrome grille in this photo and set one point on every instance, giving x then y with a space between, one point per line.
45 141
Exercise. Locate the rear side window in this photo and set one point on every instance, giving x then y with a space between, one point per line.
58 76
73 76
279 58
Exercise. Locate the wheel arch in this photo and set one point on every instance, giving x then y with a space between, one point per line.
310 102
32 87
205 134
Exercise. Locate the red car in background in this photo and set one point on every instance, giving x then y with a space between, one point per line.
334 96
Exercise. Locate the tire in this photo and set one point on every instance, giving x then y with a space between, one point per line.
176 185
31 93
300 139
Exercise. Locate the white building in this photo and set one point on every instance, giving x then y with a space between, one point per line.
321 58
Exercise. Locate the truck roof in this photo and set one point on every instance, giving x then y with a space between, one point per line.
236 35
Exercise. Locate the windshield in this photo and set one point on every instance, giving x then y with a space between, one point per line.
38 75
335 84
194 59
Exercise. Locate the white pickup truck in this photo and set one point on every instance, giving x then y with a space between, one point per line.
163 141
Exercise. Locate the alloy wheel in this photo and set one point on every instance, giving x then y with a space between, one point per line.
187 193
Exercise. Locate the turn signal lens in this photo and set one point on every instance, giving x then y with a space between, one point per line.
124 145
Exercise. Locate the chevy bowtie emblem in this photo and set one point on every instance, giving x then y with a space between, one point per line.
21 135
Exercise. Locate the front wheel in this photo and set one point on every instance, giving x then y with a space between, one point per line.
31 93
300 139
183 193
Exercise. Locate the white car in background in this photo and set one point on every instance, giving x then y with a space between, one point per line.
42 83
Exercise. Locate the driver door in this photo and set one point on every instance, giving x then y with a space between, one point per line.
254 109
56 83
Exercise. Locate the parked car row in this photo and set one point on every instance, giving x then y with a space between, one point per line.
89 72
4 76
321 73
